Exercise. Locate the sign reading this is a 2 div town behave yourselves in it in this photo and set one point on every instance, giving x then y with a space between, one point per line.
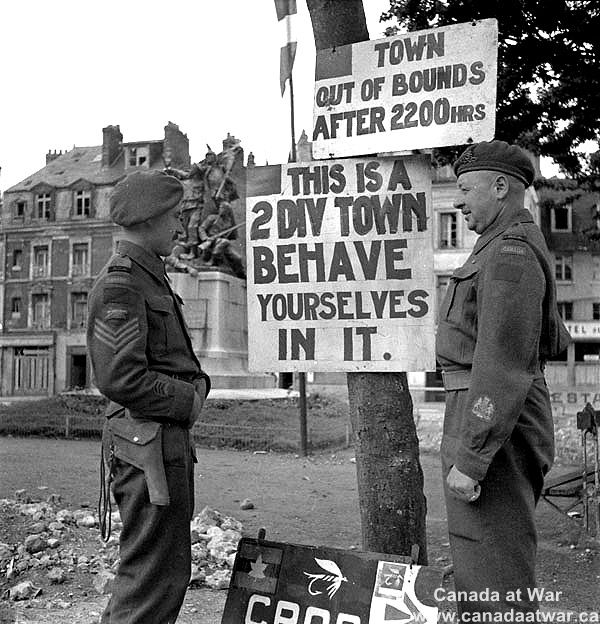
340 266
416 90
279 583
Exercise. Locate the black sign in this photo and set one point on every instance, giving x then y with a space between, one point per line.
279 583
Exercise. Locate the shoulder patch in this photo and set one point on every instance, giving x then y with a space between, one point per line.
116 314
119 278
115 294
515 250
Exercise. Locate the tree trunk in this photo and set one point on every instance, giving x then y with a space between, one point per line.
337 22
390 479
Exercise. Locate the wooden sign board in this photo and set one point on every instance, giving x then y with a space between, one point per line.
340 266
421 89
279 583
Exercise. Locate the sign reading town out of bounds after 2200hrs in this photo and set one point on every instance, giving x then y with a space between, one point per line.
340 266
416 90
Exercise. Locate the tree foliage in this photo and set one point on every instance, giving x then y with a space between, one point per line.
548 69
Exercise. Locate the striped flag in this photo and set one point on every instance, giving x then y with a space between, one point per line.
286 10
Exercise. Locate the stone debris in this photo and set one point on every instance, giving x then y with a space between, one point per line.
103 582
246 504
214 539
61 542
35 543
24 591
57 575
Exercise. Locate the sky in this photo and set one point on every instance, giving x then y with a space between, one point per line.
68 68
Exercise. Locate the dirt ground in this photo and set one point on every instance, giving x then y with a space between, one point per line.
300 500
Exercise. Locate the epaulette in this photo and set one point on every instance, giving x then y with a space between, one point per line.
119 263
515 231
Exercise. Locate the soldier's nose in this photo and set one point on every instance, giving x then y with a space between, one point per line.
459 203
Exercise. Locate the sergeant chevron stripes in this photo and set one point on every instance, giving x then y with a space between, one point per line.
116 338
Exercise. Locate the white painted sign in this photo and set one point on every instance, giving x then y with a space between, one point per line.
340 266
583 330
422 89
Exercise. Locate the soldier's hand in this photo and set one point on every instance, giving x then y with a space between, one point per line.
196 408
462 486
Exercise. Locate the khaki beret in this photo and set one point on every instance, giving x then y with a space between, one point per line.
496 156
143 195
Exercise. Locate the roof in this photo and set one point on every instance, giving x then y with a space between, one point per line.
76 164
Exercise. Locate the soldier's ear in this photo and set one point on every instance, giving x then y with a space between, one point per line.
501 186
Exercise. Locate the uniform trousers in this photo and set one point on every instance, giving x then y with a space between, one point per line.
155 543
493 540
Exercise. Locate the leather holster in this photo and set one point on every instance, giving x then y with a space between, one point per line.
138 442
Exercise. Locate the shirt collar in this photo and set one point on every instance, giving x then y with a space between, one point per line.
500 226
149 261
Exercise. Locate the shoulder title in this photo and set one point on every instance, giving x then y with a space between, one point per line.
119 263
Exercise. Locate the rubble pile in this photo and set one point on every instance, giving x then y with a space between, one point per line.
53 548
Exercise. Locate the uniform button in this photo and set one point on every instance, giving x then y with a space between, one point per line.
473 261
135 438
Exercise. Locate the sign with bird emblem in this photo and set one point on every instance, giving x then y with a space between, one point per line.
280 583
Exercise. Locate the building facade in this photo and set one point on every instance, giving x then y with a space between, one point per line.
571 226
56 236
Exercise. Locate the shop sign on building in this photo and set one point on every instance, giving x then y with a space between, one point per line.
583 330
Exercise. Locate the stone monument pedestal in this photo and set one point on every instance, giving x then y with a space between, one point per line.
215 310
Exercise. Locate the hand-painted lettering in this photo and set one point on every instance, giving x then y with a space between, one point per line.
410 48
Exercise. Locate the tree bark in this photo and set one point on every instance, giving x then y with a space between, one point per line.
337 22
390 479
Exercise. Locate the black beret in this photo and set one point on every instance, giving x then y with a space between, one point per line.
496 156
143 195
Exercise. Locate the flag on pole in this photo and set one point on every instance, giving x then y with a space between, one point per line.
286 10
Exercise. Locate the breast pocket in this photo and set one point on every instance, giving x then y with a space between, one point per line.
161 318
460 303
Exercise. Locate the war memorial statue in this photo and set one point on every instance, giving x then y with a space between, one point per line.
208 211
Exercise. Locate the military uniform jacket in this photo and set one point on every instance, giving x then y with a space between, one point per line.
139 346
499 320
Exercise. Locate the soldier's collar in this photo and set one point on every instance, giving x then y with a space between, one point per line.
522 216
151 262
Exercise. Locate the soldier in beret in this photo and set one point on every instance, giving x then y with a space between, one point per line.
143 361
498 325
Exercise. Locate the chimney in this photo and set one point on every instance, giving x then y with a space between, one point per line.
112 144
50 156
304 148
176 147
